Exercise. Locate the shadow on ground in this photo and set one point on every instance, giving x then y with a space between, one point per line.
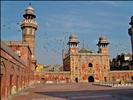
128 93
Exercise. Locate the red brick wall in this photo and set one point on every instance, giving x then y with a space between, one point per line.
14 74
117 76
54 77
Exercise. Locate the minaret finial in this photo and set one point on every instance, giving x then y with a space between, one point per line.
30 4
101 35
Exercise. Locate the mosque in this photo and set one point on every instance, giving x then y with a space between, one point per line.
18 62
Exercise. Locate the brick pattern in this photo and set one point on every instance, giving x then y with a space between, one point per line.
16 73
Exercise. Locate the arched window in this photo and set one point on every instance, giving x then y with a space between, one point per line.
90 65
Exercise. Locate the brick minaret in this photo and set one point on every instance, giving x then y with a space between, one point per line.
73 53
29 26
104 52
130 32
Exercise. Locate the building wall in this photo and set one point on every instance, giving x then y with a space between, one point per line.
14 75
89 66
121 76
74 68
24 52
85 65
52 77
78 61
100 70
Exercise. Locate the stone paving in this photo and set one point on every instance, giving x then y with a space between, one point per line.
74 92
114 84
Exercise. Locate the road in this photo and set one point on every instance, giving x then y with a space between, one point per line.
74 92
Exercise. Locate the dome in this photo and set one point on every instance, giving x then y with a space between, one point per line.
84 50
72 36
73 39
29 11
103 39
29 8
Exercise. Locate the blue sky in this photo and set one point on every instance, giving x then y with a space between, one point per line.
58 19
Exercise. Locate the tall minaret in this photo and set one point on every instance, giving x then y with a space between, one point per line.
104 58
29 26
102 44
130 32
73 44
73 52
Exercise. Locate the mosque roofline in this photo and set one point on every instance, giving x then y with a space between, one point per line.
11 52
18 43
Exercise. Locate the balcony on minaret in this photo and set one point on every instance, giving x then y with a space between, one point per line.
130 31
29 22
29 18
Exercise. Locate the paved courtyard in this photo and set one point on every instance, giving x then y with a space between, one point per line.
74 92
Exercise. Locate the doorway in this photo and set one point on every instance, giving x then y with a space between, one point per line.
90 79
76 80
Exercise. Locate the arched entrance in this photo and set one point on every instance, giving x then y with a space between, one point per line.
90 79
76 79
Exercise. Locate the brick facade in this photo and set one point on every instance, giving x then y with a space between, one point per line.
17 62
121 76
17 59
15 73
85 65
52 77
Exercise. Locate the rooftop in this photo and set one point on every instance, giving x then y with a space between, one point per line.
84 50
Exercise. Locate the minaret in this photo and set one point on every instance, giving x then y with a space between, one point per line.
73 44
104 58
130 32
102 44
73 52
29 26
